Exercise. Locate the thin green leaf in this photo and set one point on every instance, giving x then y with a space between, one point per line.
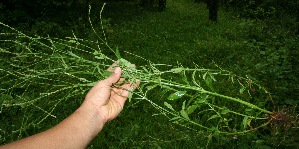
191 109
144 69
212 77
72 41
242 90
74 55
130 94
259 141
209 83
143 85
244 122
185 78
184 105
174 118
117 53
200 100
125 63
59 46
248 110
177 70
151 87
106 74
232 79
96 53
184 114
176 95
194 80
99 55
214 129
204 75
213 116
168 106
225 111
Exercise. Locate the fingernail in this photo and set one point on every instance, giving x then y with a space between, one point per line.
117 70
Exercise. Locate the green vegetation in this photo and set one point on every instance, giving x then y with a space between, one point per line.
231 84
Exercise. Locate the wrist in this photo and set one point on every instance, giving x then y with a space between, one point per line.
91 115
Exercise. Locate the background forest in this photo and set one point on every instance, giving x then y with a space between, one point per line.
255 39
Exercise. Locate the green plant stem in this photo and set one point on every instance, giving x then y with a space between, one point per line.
143 97
201 90
237 100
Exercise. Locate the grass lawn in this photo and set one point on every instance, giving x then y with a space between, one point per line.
181 35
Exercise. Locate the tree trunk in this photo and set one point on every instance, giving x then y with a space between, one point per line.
162 5
213 8
297 18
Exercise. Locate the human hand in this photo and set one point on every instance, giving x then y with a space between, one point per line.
108 99
102 103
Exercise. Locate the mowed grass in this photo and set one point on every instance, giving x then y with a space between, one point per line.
181 35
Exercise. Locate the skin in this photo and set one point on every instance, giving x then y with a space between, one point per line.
102 103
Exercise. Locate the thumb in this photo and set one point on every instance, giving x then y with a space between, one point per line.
114 77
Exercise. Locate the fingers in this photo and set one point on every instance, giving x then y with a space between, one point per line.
112 67
119 82
114 77
127 88
131 85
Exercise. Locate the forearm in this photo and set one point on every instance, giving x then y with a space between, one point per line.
102 103
76 131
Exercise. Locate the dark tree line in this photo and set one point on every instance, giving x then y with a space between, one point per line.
212 5
36 5
256 9
30 11
213 10
37 8
253 9
160 4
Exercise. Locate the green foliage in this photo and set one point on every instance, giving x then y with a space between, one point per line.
254 8
262 9
275 51
2 6
54 67
159 5
38 12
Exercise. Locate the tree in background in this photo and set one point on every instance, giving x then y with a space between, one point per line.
212 6
285 10
213 9
160 4
30 11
